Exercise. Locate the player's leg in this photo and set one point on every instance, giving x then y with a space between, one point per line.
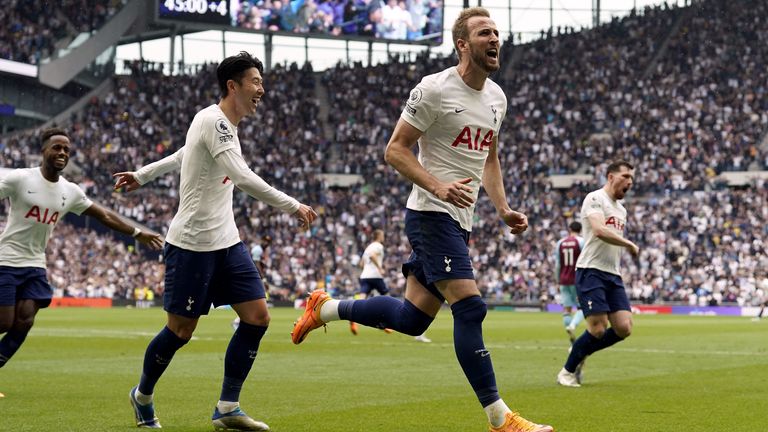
187 274
25 291
7 314
380 312
365 289
158 355
23 315
567 315
607 299
469 311
238 283
571 304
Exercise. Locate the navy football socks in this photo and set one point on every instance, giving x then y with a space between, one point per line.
10 344
239 359
157 358
587 344
475 360
386 312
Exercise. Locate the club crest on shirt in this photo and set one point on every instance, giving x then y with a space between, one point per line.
225 132
415 96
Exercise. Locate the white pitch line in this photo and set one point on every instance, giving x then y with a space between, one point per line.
115 334
565 349
111 334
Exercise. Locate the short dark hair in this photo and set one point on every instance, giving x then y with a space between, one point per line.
234 67
48 133
460 29
615 166
575 226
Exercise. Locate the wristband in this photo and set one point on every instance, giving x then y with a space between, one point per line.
136 232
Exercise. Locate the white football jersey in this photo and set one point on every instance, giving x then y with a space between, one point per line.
205 221
596 253
36 206
459 125
370 271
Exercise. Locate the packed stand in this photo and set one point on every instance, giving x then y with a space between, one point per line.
31 28
29 31
694 250
701 111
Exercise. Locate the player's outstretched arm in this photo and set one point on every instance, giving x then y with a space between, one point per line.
112 220
249 182
399 154
132 180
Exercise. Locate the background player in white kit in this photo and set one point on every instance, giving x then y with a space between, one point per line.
372 276
206 262
599 286
454 116
39 198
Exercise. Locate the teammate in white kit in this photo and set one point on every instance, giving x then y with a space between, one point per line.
206 262
39 198
455 117
372 276
600 289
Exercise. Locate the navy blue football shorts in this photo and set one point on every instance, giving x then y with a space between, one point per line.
440 249
195 280
24 283
368 285
600 292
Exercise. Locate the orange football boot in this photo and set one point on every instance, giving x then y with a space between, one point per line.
310 320
515 423
353 327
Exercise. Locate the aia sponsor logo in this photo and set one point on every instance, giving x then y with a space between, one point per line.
616 223
472 140
47 217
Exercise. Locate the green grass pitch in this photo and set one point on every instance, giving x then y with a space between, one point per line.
674 374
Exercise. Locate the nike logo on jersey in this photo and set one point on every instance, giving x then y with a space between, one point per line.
459 110
30 192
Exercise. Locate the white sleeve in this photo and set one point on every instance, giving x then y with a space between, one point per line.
8 183
249 182
592 205
423 105
165 165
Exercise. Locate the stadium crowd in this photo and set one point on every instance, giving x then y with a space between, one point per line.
576 99
31 28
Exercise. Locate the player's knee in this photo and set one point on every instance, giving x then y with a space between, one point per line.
261 320
623 330
413 321
23 324
597 331
470 309
182 331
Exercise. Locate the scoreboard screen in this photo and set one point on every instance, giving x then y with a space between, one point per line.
201 11
403 21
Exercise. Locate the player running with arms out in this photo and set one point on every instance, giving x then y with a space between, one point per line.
600 289
205 260
39 198
454 116
567 253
